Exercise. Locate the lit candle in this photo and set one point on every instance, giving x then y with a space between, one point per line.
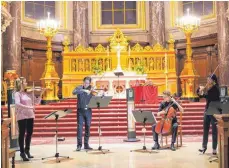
129 50
108 51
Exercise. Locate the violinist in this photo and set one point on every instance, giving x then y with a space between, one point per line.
24 102
168 101
211 93
84 114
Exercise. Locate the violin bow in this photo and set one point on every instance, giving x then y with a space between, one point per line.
212 74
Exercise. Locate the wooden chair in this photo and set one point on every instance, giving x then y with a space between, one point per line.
179 132
12 155
6 152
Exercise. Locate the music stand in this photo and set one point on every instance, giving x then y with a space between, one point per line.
144 116
56 115
98 102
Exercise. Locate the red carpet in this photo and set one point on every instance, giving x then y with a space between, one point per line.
113 119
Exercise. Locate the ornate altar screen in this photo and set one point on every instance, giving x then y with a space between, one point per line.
156 62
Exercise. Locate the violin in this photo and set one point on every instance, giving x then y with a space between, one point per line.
93 91
164 126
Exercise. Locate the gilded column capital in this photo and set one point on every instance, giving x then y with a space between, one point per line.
6 19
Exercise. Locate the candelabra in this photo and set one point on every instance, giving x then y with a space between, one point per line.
188 24
50 78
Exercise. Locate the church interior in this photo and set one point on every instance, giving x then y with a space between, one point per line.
133 51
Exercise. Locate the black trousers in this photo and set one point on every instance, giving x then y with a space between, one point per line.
25 125
206 125
83 116
174 132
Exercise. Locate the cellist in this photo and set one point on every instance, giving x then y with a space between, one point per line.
168 101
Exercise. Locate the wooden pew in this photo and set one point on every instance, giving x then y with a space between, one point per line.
223 139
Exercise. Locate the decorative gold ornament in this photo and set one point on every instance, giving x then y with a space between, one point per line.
100 48
4 4
66 43
11 76
137 48
118 38
80 48
158 47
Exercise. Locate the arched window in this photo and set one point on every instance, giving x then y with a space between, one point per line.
38 9
199 8
118 12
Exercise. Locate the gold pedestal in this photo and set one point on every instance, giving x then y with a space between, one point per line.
50 78
189 75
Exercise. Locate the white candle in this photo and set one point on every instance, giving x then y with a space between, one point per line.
108 51
129 50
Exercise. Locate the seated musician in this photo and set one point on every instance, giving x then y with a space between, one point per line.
168 100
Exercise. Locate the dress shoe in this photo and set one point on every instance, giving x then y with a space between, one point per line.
156 146
203 150
87 147
214 152
172 147
24 158
78 148
28 154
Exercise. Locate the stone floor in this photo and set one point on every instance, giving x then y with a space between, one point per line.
119 156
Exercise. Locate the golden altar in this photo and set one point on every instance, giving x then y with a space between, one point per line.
157 62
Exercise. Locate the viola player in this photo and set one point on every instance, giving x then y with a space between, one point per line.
168 101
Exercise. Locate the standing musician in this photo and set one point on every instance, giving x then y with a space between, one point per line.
84 114
168 101
210 93
24 102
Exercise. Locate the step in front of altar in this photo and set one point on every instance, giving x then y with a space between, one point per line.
113 119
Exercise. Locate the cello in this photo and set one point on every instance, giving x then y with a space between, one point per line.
164 126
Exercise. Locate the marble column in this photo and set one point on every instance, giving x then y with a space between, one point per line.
80 23
223 42
157 22
12 40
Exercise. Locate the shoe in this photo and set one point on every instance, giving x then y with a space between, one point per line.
24 158
156 146
87 147
28 154
78 148
203 150
214 152
172 147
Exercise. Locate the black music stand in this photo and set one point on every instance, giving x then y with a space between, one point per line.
143 116
56 115
98 102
